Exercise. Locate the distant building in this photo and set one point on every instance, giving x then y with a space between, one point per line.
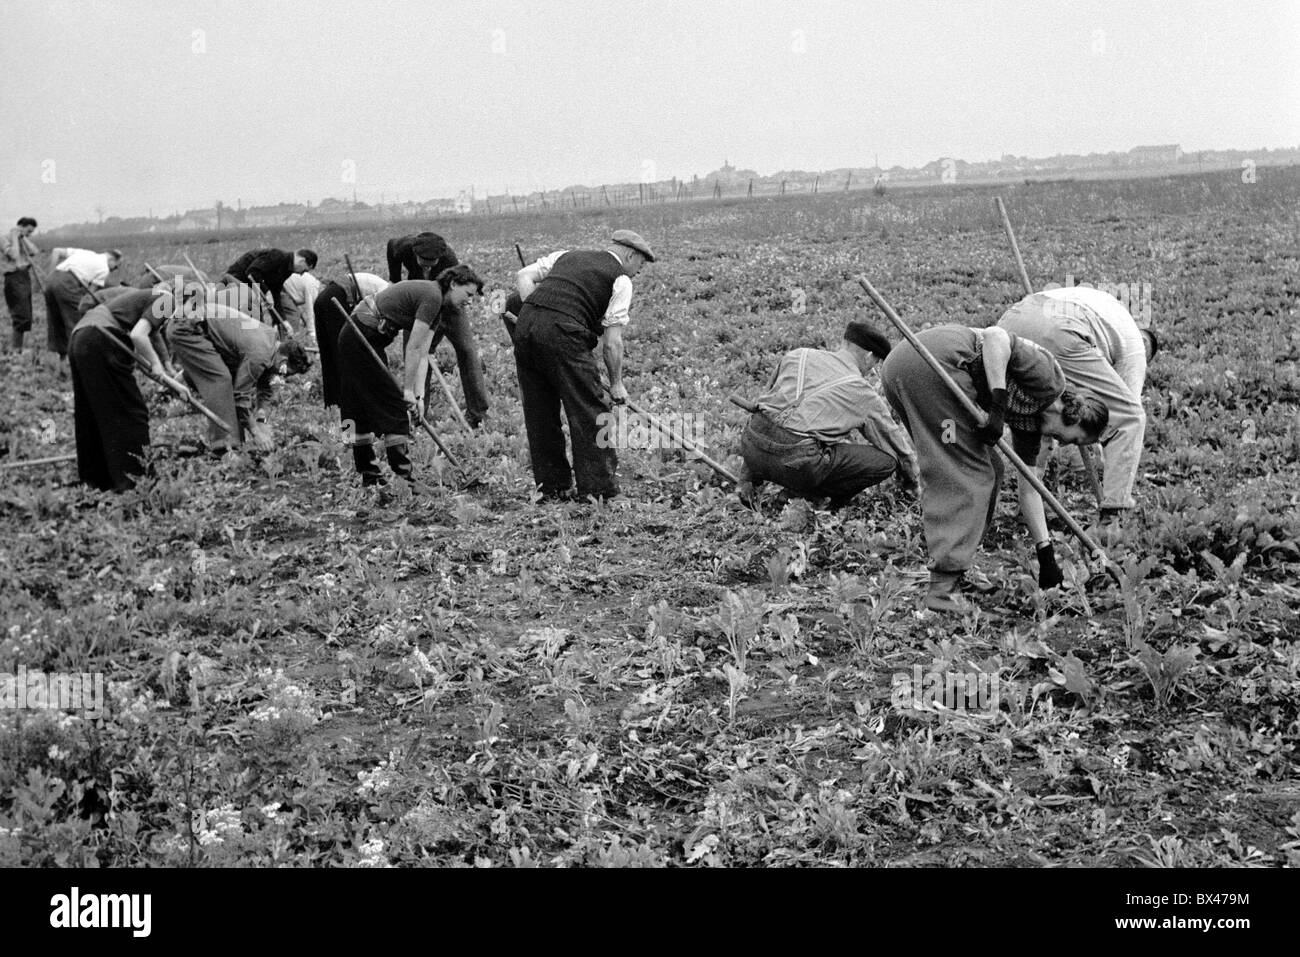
1154 155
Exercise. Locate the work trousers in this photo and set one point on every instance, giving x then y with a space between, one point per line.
960 475
329 323
808 467
18 298
557 370
62 295
212 378
110 418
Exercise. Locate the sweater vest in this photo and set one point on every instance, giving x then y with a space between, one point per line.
580 285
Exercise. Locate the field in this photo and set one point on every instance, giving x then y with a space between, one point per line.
301 672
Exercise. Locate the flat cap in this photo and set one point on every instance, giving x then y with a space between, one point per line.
865 337
625 237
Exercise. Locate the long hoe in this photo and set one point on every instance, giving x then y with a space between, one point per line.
976 413
1086 452
466 481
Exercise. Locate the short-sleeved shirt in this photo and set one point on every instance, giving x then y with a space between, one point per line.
1034 381
300 292
125 310
90 267
400 306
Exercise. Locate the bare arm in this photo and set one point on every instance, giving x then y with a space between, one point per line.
611 343
997 356
417 350
140 334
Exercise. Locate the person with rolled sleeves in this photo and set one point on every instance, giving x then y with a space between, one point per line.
297 301
231 358
17 255
70 267
374 408
801 435
572 302
423 256
111 419
1100 348
329 323
1018 384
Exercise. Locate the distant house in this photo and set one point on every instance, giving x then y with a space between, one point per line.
282 214
1154 155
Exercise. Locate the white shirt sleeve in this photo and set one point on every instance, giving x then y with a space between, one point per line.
542 268
619 303
371 285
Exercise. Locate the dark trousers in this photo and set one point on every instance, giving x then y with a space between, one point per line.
62 295
811 468
329 323
18 298
556 368
211 377
369 400
110 418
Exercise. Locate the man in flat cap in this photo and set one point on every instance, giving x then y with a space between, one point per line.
423 256
572 302
801 433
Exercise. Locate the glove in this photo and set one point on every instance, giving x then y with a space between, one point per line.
1049 573
992 429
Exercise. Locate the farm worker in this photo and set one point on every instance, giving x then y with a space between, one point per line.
298 299
373 405
801 436
230 358
1018 384
156 338
63 291
110 416
571 302
1101 349
423 255
329 324
270 267
16 252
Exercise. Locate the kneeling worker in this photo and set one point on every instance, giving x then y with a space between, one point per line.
801 433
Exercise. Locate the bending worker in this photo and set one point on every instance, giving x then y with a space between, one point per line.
1019 385
1099 348
801 433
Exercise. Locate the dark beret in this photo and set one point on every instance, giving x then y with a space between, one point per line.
865 337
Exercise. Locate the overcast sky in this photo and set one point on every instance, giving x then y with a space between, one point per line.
135 106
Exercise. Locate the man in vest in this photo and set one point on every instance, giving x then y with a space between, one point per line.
572 301
802 434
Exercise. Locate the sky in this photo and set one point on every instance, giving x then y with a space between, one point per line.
137 106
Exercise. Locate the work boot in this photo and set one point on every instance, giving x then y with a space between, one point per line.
399 461
363 457
18 341
944 593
